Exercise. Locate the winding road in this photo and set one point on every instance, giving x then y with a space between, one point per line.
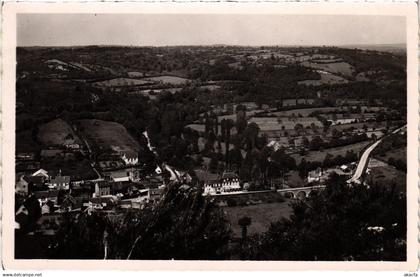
361 166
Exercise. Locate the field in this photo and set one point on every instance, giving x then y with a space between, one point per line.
304 112
54 133
262 215
153 93
337 67
173 80
120 82
320 155
210 87
108 134
273 123
325 79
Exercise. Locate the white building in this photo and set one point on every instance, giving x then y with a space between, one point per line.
315 175
228 183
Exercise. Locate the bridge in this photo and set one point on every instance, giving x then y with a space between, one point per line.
299 193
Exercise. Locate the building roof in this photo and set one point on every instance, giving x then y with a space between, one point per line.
60 179
130 154
156 191
229 175
38 180
40 172
117 174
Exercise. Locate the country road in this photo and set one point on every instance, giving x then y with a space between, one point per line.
365 158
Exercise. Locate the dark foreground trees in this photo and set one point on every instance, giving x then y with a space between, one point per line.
183 226
340 223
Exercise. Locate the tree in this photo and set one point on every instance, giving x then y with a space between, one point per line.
316 143
251 134
244 222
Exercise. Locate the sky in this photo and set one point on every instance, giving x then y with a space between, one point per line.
207 29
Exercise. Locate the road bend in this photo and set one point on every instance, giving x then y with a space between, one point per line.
365 158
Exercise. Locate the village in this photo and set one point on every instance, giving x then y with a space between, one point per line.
252 131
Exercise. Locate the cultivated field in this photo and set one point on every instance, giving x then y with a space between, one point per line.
274 123
303 112
120 82
338 67
173 80
325 79
262 215
54 133
108 134
320 155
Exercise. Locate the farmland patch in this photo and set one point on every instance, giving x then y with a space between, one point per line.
262 215
166 79
108 134
57 132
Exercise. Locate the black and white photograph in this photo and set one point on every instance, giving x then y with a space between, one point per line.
212 137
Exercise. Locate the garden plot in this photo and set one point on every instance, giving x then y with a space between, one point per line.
319 156
57 132
108 135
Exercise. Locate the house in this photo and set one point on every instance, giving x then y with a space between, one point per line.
120 175
60 182
26 184
70 142
22 185
129 157
103 203
315 175
102 189
41 172
229 182
47 195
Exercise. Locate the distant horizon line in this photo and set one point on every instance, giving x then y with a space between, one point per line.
397 44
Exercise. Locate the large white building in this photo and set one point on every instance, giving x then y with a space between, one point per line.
229 182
